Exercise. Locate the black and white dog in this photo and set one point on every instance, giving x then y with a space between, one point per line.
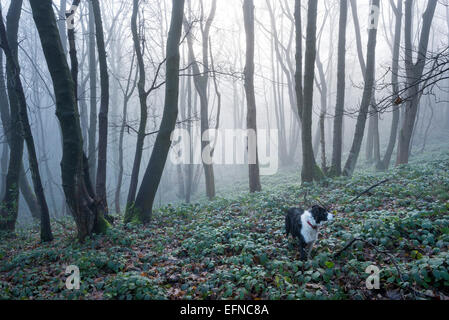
305 225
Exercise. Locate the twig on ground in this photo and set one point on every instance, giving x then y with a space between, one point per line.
369 189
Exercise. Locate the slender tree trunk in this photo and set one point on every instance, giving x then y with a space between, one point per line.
310 170
414 73
127 96
92 153
62 24
366 100
5 118
141 134
104 111
10 205
298 58
145 198
341 83
201 85
78 189
385 163
251 120
16 84
321 123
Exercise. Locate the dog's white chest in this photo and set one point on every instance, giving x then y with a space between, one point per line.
310 234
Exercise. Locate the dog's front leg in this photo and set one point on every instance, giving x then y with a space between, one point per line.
302 250
309 250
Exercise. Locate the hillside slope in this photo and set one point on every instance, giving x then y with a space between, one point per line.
236 248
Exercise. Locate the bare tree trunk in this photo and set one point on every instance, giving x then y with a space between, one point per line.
127 94
10 205
298 58
201 85
366 100
251 120
447 104
414 73
16 84
310 170
385 163
5 118
62 24
92 153
341 83
321 123
141 134
143 207
103 114
78 190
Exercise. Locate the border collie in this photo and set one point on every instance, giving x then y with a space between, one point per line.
305 225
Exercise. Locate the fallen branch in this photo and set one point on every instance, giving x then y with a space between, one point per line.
369 189
376 249
389 255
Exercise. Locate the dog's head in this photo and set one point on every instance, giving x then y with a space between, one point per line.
321 215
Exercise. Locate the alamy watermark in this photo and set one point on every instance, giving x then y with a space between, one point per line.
73 281
373 281
227 147
70 17
374 17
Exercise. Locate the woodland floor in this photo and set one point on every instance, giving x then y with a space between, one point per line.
235 247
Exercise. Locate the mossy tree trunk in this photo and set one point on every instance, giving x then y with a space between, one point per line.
9 207
16 83
77 187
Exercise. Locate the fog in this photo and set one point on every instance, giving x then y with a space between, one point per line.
274 83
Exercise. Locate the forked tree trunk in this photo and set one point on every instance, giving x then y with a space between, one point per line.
103 114
366 100
251 120
141 133
143 208
201 84
16 84
414 73
9 208
341 80
385 163
78 190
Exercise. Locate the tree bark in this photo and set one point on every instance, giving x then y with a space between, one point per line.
414 72
298 58
92 153
103 114
78 190
341 87
251 120
16 84
366 100
201 84
10 205
143 207
385 163
141 134
310 170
